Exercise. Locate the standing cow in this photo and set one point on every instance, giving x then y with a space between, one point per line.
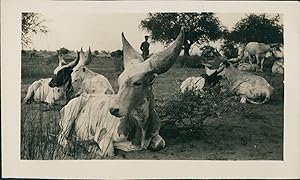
127 120
40 91
259 52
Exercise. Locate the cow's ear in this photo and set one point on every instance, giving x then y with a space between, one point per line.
152 78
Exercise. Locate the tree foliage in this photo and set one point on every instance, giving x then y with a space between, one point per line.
64 50
199 27
32 23
257 28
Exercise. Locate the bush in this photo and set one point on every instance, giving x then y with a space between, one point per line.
188 112
64 50
229 50
118 62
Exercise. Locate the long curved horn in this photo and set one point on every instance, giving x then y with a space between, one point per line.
162 61
74 62
130 56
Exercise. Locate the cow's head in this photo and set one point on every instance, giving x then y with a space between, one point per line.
225 68
79 70
136 80
276 51
62 74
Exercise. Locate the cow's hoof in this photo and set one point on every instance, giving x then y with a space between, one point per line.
157 143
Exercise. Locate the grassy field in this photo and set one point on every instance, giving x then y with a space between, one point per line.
256 133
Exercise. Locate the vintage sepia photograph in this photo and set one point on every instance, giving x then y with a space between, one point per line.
149 89
179 86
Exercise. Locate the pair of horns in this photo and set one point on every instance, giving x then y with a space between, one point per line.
159 62
81 59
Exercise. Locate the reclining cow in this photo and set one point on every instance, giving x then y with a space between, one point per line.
252 88
197 85
78 79
278 67
127 120
40 91
247 67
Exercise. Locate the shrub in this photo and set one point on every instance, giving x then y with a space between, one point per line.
188 112
118 62
230 51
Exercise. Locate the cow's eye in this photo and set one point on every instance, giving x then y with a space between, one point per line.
137 83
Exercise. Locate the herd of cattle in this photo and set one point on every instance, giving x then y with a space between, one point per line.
127 120
250 87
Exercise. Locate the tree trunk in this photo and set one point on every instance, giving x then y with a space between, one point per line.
186 48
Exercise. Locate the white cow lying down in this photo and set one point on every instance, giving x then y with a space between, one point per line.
249 87
78 79
278 66
40 91
196 84
127 120
247 67
193 84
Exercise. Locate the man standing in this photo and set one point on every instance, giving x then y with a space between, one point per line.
145 48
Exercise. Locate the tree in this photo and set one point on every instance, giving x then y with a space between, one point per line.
32 23
199 28
96 52
64 50
257 28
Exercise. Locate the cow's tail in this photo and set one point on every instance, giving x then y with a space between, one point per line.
268 93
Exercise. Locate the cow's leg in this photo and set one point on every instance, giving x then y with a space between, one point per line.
250 59
157 143
262 64
243 99
106 147
68 115
258 62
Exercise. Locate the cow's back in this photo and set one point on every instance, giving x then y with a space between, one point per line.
93 116
253 86
255 48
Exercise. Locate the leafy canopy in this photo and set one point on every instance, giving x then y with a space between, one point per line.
199 27
257 28
32 23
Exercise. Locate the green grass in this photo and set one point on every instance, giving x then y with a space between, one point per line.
256 133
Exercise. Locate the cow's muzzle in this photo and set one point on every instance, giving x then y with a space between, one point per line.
115 111
51 84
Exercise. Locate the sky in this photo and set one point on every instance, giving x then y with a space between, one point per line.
102 31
